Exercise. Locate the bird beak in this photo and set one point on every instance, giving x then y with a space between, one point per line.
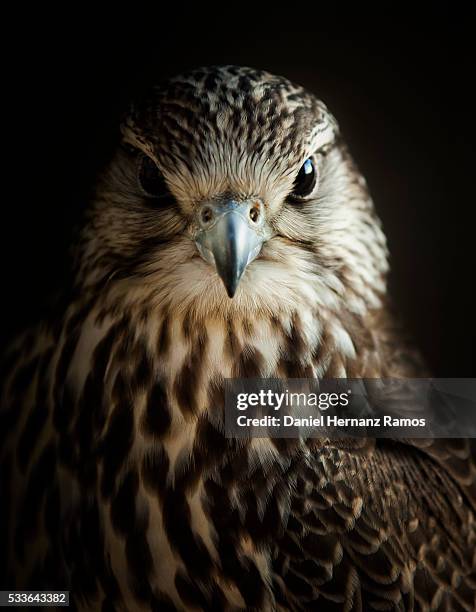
230 236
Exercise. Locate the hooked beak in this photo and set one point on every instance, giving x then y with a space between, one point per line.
230 237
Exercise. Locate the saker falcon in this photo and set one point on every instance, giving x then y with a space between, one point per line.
231 235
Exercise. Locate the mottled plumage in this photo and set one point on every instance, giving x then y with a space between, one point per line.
121 484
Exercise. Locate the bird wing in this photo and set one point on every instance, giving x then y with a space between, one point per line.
380 527
28 477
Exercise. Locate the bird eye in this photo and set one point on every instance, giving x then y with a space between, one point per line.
151 181
305 180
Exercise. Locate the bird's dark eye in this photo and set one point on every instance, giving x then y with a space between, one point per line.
151 181
305 180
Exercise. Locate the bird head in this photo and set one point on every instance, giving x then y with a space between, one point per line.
233 191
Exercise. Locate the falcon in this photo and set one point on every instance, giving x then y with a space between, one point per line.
230 236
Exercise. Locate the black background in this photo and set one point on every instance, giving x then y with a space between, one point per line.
400 87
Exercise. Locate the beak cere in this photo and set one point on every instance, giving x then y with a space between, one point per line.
230 237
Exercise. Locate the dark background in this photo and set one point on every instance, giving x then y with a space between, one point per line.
400 87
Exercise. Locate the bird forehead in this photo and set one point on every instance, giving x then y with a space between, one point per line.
235 108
